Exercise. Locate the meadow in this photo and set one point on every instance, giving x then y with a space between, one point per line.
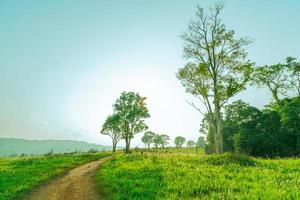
20 174
175 174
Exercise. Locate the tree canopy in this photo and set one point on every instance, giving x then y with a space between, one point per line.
190 144
132 110
147 138
179 141
111 127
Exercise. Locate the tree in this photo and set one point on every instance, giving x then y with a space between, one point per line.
190 143
200 143
294 68
157 140
132 110
217 67
147 139
179 141
241 127
165 140
275 78
290 118
111 127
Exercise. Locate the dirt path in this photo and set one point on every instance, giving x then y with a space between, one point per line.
78 184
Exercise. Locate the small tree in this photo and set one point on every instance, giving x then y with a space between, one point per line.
157 140
147 139
200 143
165 140
111 127
132 110
179 141
190 144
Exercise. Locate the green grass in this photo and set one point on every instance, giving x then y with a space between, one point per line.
167 175
20 175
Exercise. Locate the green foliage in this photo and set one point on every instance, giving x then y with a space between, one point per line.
274 77
228 159
148 138
131 109
112 127
282 79
190 144
157 140
20 175
239 116
294 69
200 142
167 175
179 141
165 140
272 132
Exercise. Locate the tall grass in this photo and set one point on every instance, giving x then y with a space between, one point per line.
156 175
20 175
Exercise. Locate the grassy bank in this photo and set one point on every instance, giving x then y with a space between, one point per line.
20 175
167 175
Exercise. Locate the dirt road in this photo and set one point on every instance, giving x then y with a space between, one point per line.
78 184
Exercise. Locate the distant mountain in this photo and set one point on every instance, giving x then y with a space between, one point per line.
14 147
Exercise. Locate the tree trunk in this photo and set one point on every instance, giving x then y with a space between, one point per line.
114 146
127 141
275 96
219 133
217 122
148 145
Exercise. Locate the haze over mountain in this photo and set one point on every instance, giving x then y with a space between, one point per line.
12 146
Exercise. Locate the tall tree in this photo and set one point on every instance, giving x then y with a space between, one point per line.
132 110
111 127
147 139
217 66
179 141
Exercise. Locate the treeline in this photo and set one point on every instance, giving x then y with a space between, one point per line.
158 140
274 130
151 139
271 132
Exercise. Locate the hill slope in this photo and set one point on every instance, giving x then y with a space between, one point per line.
12 147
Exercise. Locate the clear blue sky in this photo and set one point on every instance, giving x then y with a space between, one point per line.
64 62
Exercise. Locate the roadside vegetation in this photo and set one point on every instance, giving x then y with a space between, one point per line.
20 174
183 174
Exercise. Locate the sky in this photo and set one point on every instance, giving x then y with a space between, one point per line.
63 63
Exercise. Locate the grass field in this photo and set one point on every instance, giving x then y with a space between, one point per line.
20 175
186 175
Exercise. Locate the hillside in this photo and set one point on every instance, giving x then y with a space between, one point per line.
13 147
